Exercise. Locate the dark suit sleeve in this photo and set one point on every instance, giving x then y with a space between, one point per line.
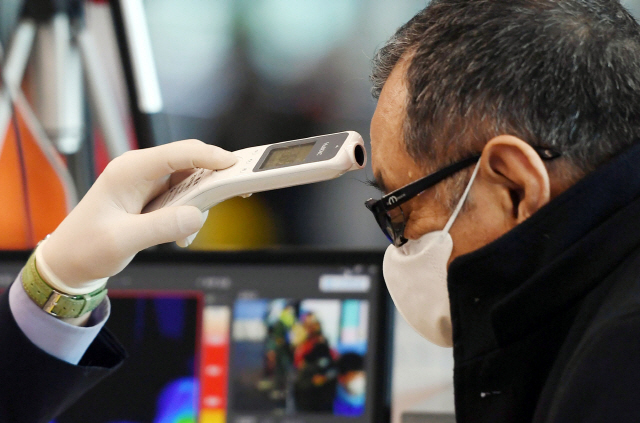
35 386
602 382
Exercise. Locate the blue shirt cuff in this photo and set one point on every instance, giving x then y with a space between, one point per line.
56 337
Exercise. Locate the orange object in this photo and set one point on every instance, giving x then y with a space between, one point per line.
47 197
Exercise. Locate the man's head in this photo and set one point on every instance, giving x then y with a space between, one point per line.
498 77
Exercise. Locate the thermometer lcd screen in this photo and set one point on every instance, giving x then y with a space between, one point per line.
287 156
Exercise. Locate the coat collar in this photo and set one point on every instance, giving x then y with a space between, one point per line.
550 261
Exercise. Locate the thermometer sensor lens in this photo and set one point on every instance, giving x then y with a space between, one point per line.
287 156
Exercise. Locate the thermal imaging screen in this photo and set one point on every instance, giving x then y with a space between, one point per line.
300 356
158 382
278 341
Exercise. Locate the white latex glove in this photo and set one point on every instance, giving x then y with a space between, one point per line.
105 230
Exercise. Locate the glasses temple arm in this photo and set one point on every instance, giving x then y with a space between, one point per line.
404 194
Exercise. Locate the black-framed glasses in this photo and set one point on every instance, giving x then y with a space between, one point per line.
389 214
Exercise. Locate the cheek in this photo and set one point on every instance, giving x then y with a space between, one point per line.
477 228
470 237
466 240
427 220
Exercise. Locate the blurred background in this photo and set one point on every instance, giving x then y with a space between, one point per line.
239 73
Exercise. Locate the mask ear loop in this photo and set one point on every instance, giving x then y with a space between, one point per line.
462 200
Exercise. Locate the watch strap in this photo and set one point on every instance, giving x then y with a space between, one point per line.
54 302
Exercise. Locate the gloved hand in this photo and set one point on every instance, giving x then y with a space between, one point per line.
105 230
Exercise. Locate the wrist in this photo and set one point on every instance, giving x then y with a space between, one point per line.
58 284
57 302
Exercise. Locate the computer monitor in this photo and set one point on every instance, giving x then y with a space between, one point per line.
247 337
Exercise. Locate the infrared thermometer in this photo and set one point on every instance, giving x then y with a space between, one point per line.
268 167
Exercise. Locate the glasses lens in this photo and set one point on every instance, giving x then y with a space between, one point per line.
395 226
391 223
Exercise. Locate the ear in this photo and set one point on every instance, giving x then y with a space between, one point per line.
515 169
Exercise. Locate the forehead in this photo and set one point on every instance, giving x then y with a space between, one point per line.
389 159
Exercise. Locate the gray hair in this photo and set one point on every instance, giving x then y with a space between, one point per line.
563 74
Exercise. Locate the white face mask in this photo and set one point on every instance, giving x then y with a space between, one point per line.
416 276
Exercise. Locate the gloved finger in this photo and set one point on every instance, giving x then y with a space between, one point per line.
159 186
184 243
167 224
188 240
153 163
179 176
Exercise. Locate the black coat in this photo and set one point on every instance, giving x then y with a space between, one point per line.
546 319
34 386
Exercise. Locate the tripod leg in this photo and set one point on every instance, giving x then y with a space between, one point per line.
15 63
35 183
47 148
101 98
